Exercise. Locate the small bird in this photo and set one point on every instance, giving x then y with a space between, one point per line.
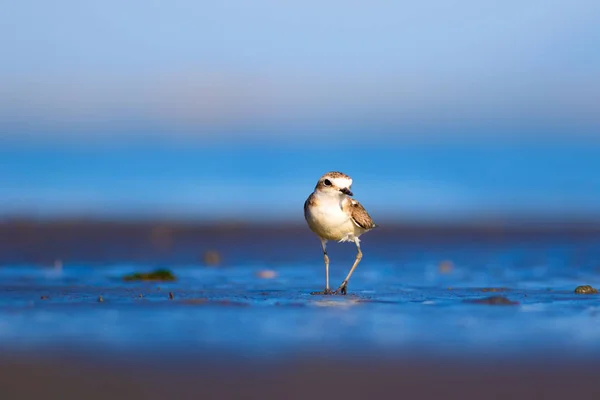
333 215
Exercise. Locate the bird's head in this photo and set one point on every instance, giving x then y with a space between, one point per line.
334 183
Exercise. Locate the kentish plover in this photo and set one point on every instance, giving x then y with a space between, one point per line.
333 215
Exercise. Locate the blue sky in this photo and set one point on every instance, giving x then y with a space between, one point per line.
72 68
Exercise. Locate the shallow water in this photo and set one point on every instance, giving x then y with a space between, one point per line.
401 300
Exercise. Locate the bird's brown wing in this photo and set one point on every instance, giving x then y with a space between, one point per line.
359 215
310 201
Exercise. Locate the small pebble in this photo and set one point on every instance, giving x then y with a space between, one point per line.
212 258
445 267
585 289
266 274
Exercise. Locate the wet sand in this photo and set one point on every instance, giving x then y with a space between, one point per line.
418 322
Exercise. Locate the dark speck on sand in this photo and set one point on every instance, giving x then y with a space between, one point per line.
494 301
493 289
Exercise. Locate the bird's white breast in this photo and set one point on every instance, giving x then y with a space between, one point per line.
327 219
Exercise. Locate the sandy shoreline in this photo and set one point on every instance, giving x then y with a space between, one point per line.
74 374
94 241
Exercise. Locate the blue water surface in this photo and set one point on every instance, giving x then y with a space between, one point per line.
418 302
425 182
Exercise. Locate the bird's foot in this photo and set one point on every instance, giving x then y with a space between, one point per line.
342 290
324 292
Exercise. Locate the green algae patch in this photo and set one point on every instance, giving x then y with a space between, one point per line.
585 289
160 275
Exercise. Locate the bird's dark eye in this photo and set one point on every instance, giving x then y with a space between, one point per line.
327 182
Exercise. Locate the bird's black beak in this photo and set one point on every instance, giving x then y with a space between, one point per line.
346 191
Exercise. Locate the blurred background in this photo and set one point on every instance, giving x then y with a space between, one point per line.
185 136
441 111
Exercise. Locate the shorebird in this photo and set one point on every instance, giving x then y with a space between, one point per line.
333 215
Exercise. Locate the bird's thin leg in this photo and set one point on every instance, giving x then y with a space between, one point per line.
326 259
343 287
